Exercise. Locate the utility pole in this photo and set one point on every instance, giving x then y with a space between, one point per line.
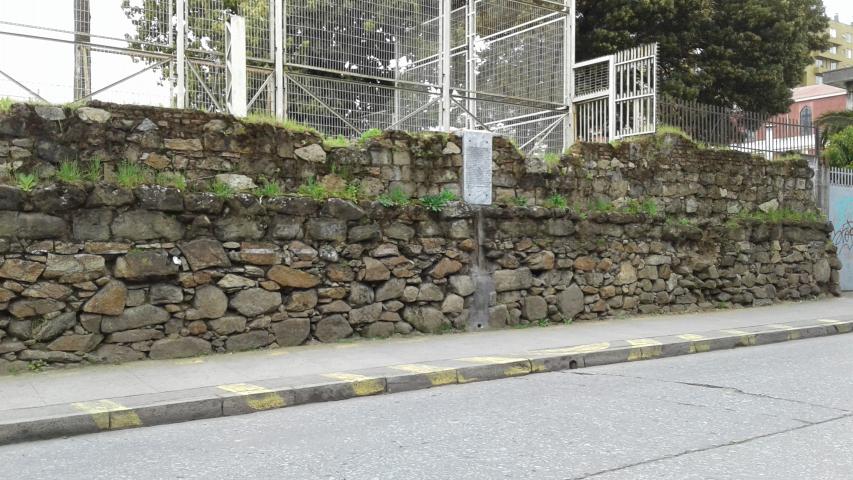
82 53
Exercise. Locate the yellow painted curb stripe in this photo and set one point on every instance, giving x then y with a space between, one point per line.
436 375
109 415
645 348
491 360
577 349
361 385
257 397
691 337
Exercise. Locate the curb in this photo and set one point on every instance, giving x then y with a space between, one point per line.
79 418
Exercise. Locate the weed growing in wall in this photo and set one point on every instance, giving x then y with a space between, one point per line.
6 105
69 172
93 170
170 179
436 203
369 135
339 141
556 201
26 181
222 190
397 197
130 175
268 189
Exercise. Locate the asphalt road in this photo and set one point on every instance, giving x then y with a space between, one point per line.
782 411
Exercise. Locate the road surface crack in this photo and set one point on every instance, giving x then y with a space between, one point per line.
709 448
716 387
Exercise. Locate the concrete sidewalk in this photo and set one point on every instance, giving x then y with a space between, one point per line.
96 398
27 390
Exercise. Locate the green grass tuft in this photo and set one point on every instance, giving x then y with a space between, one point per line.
6 105
289 125
69 172
313 189
336 142
397 197
222 190
169 179
519 201
268 189
369 135
556 201
436 203
130 175
93 170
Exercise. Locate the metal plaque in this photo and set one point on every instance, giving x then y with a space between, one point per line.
477 167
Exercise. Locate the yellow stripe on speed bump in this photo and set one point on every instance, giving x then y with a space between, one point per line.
258 398
361 384
436 375
577 349
644 349
109 415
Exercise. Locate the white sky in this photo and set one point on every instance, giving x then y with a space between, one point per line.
47 67
844 9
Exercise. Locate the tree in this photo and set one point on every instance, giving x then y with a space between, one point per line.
840 148
745 54
833 122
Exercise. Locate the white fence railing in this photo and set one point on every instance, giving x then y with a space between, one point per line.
615 96
841 176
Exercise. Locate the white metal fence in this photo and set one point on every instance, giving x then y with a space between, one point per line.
342 66
615 96
841 176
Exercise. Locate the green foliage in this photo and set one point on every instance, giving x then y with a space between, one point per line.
648 207
69 172
351 192
268 189
222 190
664 129
839 150
93 170
833 122
170 179
552 161
544 322
369 135
519 201
6 104
289 125
708 48
336 142
26 181
601 206
313 189
436 203
37 365
397 197
679 222
556 201
130 175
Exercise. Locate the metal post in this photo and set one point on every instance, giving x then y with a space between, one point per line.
611 99
180 63
279 38
445 46
235 66
82 52
471 63
569 74
395 115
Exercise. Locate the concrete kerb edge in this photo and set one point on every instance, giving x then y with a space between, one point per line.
227 400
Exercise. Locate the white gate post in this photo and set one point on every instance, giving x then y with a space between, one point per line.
611 99
471 64
279 39
180 62
235 66
445 46
569 74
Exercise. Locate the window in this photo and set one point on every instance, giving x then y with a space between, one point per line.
833 33
819 63
848 38
818 79
833 65
806 121
848 53
833 50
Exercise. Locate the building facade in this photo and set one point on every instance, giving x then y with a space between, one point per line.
838 55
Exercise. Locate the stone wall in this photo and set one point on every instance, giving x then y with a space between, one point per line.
683 179
98 273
